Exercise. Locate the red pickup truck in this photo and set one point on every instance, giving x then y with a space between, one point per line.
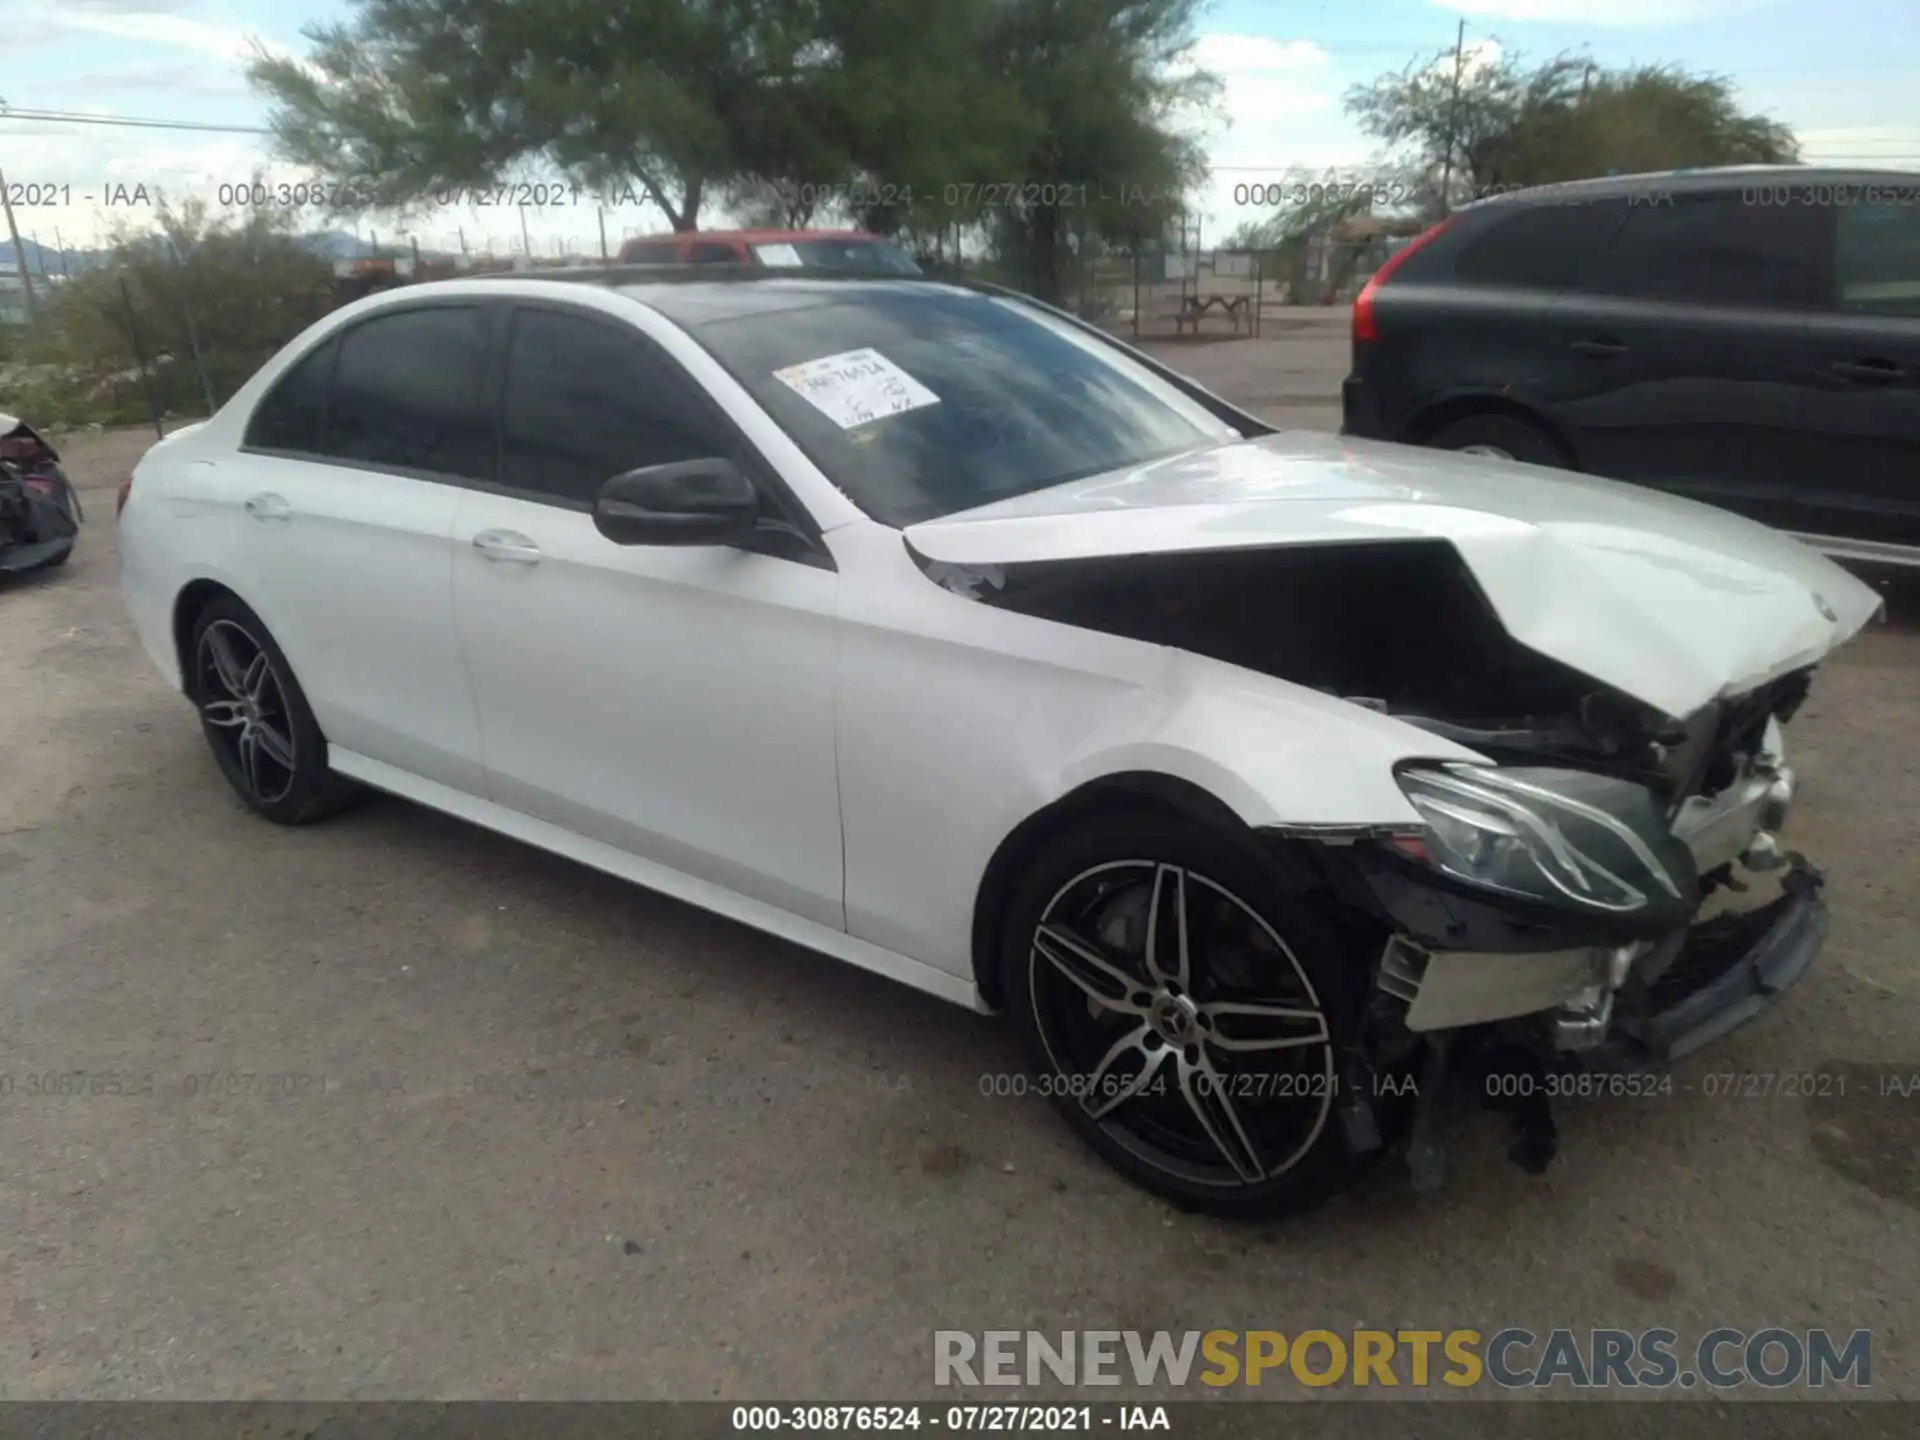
796 249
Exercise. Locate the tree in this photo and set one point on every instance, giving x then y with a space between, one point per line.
1647 118
414 97
1511 125
1107 147
783 107
1023 121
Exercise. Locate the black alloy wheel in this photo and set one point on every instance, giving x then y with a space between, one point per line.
256 718
1185 1012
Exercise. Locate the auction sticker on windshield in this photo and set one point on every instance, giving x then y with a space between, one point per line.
856 387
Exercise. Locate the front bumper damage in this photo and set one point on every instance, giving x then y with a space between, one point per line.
1724 972
1479 998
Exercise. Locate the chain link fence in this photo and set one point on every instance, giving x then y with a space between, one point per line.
1168 293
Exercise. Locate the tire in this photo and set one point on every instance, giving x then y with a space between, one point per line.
257 720
1250 938
1507 436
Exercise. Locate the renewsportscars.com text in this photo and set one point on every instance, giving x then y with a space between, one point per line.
1511 1358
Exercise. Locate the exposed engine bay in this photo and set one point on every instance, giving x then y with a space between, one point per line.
1403 629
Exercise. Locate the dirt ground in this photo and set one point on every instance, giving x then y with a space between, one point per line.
509 1127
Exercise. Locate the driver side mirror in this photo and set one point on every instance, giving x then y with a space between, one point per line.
690 502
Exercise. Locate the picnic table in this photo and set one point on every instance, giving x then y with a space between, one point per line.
1236 308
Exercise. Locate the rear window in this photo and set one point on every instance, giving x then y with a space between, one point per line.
1552 246
1713 250
407 393
290 417
1876 259
837 255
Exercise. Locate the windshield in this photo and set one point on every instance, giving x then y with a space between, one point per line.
921 403
838 255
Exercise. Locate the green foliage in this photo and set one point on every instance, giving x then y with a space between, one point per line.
240 288
1102 92
1510 125
918 121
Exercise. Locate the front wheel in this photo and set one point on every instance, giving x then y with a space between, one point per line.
256 718
1185 1011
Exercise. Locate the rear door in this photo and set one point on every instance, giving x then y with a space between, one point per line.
1857 471
1467 314
356 462
1685 349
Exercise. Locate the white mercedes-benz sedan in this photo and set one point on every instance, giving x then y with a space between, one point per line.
1276 785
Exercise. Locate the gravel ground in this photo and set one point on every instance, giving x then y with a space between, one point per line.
517 1129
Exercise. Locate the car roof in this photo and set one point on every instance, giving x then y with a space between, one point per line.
691 303
1697 181
694 294
760 237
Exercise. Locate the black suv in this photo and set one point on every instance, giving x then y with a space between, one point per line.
1749 337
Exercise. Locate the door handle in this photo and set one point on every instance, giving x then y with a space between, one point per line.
508 545
1872 371
1602 347
268 506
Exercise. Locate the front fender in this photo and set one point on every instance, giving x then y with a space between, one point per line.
1276 754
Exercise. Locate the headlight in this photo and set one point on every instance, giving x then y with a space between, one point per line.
1561 837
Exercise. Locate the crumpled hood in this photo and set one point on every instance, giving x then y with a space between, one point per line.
1670 601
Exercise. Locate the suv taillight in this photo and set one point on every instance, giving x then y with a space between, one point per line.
1363 326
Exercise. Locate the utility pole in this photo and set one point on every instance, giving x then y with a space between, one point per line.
1453 118
19 252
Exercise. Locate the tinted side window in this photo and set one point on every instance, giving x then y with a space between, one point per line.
289 418
584 403
1713 250
713 252
1544 246
1876 259
407 392
654 252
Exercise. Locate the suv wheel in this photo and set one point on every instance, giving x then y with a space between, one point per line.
1505 437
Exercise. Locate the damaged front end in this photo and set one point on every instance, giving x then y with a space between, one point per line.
1548 925
39 510
1560 908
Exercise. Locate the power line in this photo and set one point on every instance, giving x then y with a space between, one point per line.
136 122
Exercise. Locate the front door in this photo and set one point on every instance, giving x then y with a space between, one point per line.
675 702
1858 470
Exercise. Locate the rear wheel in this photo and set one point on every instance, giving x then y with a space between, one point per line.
257 720
1185 1011
1503 437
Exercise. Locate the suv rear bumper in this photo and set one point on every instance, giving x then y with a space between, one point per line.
1360 411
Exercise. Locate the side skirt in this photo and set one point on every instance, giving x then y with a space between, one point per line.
681 886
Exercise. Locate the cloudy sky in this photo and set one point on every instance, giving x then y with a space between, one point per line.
1838 71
